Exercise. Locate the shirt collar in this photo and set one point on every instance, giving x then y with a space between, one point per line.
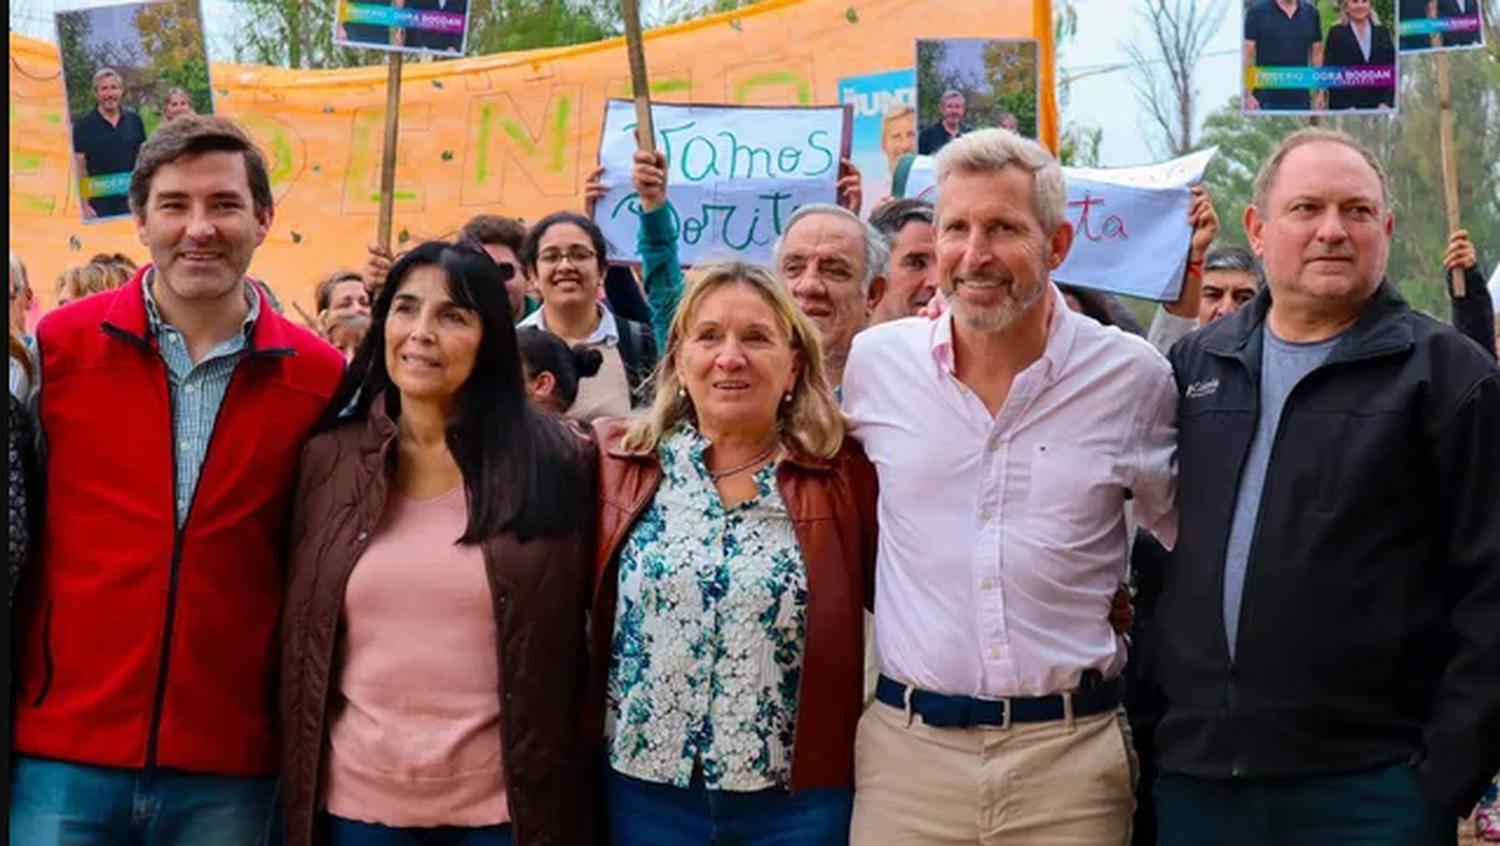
1060 334
153 314
608 332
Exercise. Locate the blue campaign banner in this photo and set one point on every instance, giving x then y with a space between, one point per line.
884 126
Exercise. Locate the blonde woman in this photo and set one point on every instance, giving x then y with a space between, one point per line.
736 551
1359 41
83 280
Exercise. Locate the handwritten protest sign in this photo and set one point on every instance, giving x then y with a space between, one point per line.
735 174
1131 229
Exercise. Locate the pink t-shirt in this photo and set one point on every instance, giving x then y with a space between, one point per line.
415 738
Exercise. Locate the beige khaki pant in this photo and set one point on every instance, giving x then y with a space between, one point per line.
1038 784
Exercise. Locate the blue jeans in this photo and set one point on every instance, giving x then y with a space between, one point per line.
1381 807
642 813
342 832
53 803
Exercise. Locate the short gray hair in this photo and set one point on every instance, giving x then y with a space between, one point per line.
877 247
107 72
993 150
950 94
1265 179
18 272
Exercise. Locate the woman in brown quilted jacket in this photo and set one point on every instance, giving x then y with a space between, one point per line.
434 657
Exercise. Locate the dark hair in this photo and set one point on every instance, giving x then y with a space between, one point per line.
895 215
325 288
192 135
544 352
1236 258
493 230
1104 309
532 246
519 466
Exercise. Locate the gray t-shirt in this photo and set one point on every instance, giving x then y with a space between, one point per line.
1282 366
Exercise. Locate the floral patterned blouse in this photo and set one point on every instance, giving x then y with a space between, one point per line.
711 620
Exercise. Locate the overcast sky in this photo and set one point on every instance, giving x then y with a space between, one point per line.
1105 99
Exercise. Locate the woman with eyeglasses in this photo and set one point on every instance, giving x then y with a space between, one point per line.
567 257
434 658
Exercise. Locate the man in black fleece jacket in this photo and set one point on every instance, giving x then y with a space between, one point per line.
1329 629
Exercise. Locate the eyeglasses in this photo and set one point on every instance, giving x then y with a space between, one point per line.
576 256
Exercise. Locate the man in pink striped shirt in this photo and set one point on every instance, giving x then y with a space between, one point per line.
1008 435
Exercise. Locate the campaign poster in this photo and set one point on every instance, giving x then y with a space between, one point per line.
434 27
964 84
1432 25
1329 57
885 127
127 68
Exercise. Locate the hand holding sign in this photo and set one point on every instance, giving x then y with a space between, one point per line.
649 176
1205 223
1461 253
851 189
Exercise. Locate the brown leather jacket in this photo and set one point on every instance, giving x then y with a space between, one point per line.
540 591
832 505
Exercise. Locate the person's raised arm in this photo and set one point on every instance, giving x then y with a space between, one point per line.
851 186
657 243
1474 312
1205 223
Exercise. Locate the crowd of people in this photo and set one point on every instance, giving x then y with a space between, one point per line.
890 541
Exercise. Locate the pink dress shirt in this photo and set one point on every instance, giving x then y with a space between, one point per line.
1003 538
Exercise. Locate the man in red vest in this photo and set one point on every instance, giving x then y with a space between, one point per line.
172 413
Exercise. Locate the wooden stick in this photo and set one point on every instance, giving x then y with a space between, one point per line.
388 152
1450 162
645 134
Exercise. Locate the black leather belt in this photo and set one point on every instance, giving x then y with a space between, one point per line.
941 710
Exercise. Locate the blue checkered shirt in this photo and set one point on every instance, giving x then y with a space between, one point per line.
197 390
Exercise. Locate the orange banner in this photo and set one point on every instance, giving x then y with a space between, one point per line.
511 134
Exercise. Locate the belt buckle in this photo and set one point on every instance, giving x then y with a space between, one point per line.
1005 708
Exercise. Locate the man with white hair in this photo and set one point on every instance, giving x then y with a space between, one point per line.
106 142
834 264
1008 436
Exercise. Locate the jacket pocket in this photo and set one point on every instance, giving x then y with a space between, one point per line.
41 695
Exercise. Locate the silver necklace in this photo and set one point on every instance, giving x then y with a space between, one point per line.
734 471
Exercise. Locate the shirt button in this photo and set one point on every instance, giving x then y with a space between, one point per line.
989 584
190 389
986 515
994 653
994 443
